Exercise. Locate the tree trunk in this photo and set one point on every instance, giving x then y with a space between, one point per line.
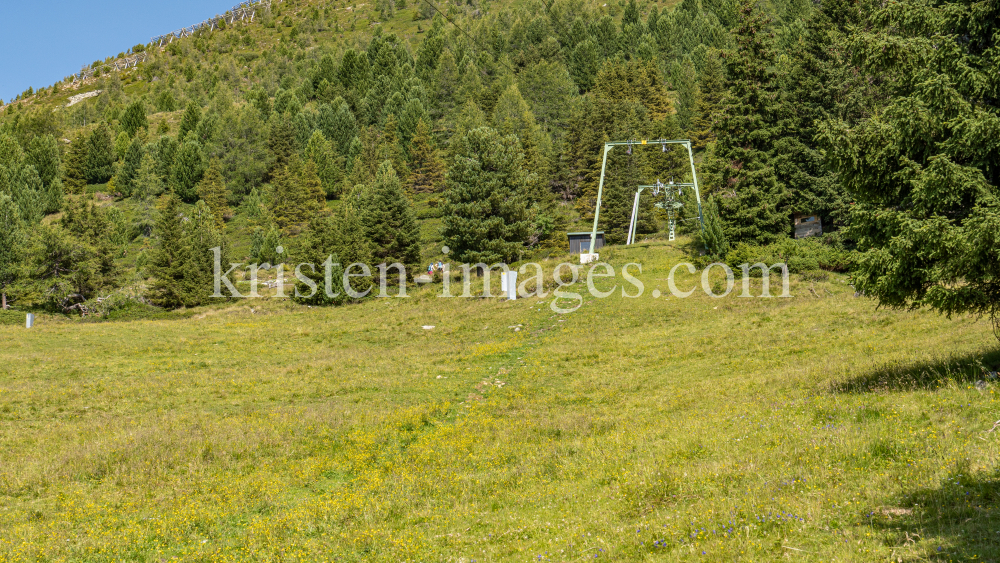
3 299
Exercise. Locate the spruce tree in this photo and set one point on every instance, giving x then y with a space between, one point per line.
187 170
190 120
713 237
339 125
709 101
168 260
320 152
75 171
687 93
99 163
212 190
148 182
752 200
486 202
296 195
389 222
134 118
428 169
43 154
128 172
921 164
390 149
281 139
200 236
11 241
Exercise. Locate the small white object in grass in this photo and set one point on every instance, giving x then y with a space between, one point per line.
29 321
427 327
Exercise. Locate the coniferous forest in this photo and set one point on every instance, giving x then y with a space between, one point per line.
380 133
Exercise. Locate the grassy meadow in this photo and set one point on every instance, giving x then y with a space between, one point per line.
813 428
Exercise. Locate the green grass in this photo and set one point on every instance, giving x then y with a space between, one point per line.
816 428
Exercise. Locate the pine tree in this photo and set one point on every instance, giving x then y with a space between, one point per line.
188 168
212 190
486 202
752 198
190 120
389 222
428 169
134 118
11 242
99 163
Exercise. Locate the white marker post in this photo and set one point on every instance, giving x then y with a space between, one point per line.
510 279
29 321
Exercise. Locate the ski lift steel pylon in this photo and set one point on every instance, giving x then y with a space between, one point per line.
600 186
670 204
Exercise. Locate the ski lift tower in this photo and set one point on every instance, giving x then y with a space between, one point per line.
608 146
671 204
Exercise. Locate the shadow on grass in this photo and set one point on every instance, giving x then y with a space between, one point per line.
901 376
957 521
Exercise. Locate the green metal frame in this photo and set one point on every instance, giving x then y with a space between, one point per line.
604 163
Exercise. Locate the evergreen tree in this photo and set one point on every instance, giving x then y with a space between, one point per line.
752 204
134 118
713 237
709 101
99 163
390 149
428 170
168 260
75 172
296 195
190 120
338 124
148 182
486 210
687 93
212 190
200 236
11 241
188 168
281 141
129 170
320 152
11 154
43 154
922 164
389 222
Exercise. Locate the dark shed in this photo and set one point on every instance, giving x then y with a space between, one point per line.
579 243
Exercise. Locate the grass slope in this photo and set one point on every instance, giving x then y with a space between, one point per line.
814 427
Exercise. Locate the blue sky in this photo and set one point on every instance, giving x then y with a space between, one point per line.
42 42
